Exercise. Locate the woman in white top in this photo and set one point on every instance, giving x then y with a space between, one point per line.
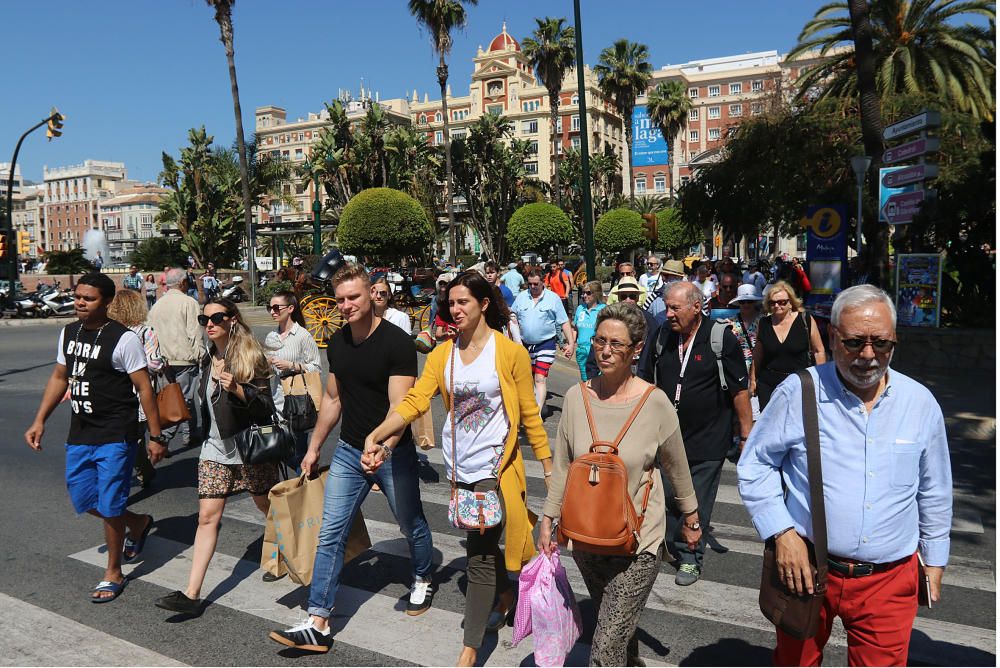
292 350
381 300
485 381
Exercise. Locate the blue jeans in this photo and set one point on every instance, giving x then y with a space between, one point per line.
346 489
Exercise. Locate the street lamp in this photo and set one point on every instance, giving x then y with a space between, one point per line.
860 164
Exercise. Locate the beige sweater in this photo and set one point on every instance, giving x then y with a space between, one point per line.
175 319
654 438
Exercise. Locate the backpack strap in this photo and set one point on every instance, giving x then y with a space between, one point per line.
718 332
635 413
586 407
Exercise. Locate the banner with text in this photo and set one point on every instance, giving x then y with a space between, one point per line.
648 146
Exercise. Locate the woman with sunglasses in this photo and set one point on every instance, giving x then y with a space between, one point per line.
485 382
585 322
788 341
237 386
382 303
292 350
620 585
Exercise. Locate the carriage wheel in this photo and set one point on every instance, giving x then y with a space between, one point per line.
419 315
322 318
580 276
425 317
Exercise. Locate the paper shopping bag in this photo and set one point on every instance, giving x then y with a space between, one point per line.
310 383
270 558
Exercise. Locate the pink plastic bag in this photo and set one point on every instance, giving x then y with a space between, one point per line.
547 608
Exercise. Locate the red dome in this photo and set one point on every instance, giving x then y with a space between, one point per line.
502 41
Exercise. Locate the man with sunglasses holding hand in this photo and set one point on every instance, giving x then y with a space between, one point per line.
885 463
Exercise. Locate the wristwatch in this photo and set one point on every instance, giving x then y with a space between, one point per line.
160 438
695 526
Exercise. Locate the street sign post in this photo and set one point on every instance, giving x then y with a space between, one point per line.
907 175
913 149
922 121
901 208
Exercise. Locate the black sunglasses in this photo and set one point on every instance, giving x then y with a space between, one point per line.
878 345
588 292
276 308
216 318
629 295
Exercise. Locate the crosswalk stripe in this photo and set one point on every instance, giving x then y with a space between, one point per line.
77 644
362 618
964 518
730 604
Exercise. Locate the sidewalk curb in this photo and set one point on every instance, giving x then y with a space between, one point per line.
35 322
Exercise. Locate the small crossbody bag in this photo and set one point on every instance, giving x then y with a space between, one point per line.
470 510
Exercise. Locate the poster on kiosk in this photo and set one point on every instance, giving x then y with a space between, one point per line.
826 254
918 289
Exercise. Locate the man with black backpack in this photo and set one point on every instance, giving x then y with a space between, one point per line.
699 364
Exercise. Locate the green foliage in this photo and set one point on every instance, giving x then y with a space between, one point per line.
467 259
537 227
618 230
155 253
265 293
672 235
67 262
604 274
623 72
383 223
668 107
605 184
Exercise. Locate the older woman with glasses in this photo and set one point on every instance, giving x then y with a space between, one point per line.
620 585
585 322
788 341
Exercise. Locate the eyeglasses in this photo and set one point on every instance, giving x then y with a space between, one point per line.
534 285
276 308
616 346
628 273
634 296
588 292
728 288
878 345
216 318
381 293
779 302
653 265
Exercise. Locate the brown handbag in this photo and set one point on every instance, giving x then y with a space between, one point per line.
798 616
170 401
597 510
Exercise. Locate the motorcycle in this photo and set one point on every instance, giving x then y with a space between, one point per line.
57 301
234 291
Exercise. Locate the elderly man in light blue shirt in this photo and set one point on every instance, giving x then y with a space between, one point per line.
886 481
540 314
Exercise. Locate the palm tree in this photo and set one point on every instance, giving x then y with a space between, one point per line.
668 107
439 18
551 50
623 72
917 46
224 17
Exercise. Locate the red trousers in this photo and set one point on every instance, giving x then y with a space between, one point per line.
877 612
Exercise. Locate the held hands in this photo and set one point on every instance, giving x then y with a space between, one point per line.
373 456
545 543
794 569
33 437
568 350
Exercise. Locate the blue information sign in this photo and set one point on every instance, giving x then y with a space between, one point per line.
648 146
826 249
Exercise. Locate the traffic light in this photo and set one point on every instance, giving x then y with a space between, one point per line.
55 124
3 245
649 227
23 243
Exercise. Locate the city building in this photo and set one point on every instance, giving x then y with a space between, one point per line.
128 218
5 176
71 200
27 219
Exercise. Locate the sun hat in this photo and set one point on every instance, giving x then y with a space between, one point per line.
747 293
627 284
673 268
512 265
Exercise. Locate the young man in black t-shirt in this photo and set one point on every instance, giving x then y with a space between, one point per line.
373 364
101 362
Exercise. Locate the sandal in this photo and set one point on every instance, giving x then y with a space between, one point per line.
116 589
133 548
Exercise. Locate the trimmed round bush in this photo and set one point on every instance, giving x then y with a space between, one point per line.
671 233
383 222
618 230
538 226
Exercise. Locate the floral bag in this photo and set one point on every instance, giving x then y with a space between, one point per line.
467 509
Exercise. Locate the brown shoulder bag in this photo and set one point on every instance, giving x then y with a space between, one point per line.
597 510
798 616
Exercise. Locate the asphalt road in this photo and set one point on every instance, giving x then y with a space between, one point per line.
49 563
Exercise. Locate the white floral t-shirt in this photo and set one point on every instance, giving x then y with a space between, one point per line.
481 423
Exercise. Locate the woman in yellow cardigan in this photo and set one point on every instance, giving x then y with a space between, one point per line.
490 378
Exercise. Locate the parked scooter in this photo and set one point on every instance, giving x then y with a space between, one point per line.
57 301
234 291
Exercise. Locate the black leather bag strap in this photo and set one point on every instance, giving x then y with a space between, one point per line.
810 423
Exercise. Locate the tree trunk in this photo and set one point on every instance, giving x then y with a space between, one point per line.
877 260
556 144
442 72
628 147
226 27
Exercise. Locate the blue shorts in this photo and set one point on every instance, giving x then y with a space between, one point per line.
99 477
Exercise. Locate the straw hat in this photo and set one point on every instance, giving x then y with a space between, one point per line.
673 268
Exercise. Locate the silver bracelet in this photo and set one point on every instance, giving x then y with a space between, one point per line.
386 451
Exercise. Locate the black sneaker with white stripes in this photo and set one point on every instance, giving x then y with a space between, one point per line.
421 595
305 637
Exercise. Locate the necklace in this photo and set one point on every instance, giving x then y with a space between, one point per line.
75 376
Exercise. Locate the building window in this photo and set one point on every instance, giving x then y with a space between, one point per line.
531 168
576 142
575 100
693 93
714 112
298 154
757 85
660 183
693 135
800 243
284 154
438 137
574 123
640 185
693 115
495 109
531 105
714 91
714 134
458 134
423 119
438 117
735 88
529 127
736 110
756 108
559 126
533 147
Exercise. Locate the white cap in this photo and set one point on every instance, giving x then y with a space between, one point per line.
747 293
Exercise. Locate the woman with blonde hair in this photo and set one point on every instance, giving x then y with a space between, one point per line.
585 322
237 386
129 308
788 341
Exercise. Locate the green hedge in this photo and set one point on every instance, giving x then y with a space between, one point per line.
383 223
537 227
618 230
671 233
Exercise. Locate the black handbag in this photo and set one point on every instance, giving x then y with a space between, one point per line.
299 410
266 443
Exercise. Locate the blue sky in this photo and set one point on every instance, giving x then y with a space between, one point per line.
133 76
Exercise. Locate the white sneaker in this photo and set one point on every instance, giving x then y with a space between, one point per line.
421 595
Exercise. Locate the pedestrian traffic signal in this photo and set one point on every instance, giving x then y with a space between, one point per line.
3 245
649 226
55 124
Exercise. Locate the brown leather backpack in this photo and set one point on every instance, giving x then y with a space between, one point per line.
597 510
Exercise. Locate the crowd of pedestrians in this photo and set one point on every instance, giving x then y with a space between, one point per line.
668 392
